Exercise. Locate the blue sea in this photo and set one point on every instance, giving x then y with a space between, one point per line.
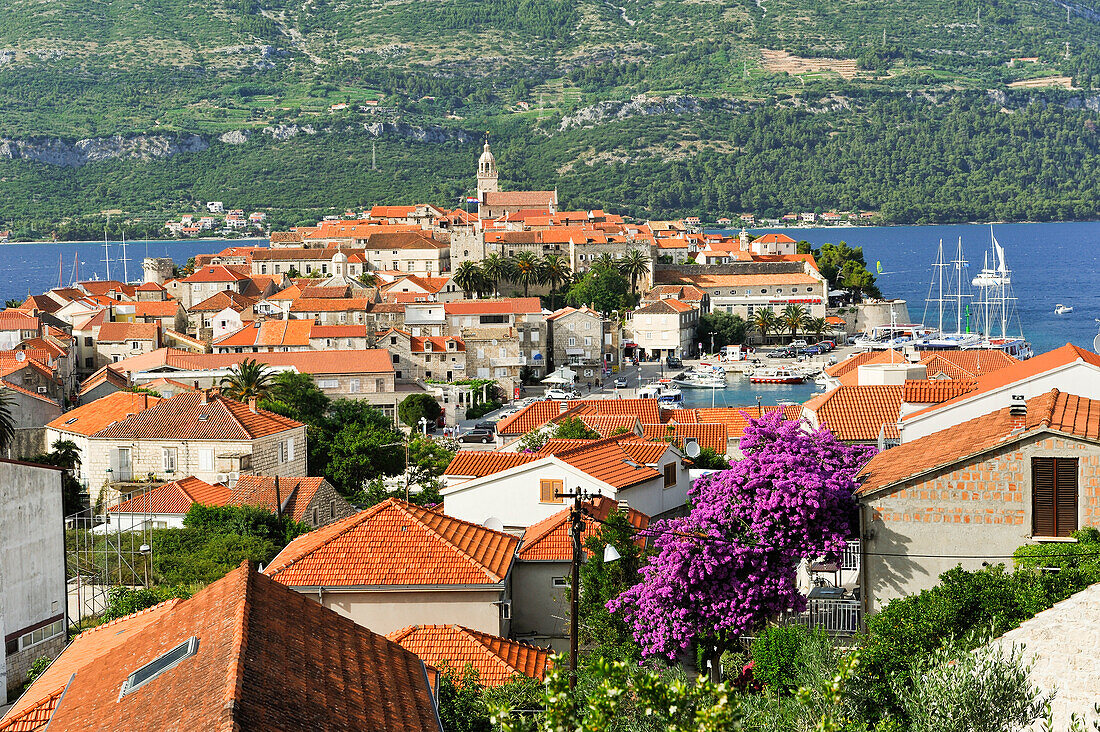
31 269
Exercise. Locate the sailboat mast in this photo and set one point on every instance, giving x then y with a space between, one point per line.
959 287
125 269
106 252
60 269
939 265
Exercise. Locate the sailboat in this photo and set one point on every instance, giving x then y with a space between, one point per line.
997 304
948 285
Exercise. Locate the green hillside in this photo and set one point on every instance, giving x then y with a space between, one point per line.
925 110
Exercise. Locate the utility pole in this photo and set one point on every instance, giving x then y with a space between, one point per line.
576 528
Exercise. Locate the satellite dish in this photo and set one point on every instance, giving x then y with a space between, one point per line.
1096 343
692 449
21 357
494 524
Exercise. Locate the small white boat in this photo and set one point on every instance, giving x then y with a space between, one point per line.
1063 309
776 376
697 381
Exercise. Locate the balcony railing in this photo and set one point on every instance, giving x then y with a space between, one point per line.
509 361
835 617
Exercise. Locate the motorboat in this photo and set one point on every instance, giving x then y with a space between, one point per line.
1063 309
701 381
779 375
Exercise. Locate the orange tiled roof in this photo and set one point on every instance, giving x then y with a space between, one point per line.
343 361
664 307
174 498
224 299
90 418
606 459
27 392
503 305
479 463
156 308
259 490
549 540
120 332
853 362
216 273
735 280
537 414
1055 411
269 333
1022 370
197 416
858 413
396 543
330 304
107 374
606 424
495 659
934 391
268 658
12 319
710 435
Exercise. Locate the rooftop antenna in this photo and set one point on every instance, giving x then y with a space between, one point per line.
106 251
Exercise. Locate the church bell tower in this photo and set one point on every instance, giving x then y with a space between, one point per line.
486 172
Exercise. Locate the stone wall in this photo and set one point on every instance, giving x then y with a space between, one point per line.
979 508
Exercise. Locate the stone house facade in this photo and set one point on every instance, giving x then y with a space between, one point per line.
974 493
580 337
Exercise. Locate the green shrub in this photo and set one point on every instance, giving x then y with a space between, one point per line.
778 656
481 409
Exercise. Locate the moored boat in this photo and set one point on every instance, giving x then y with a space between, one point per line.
776 376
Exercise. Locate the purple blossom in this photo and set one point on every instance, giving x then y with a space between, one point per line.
730 565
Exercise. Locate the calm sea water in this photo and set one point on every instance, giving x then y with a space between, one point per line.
31 269
1050 263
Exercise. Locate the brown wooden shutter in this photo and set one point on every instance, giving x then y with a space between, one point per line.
1042 497
547 489
1065 496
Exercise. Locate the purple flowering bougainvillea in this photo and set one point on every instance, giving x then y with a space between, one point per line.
730 565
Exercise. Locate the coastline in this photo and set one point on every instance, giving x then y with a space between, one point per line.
131 242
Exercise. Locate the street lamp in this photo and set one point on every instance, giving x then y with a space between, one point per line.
146 551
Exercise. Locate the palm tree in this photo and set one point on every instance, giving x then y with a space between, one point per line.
247 380
525 270
794 317
604 261
469 277
634 265
765 321
495 268
7 421
817 326
68 454
555 271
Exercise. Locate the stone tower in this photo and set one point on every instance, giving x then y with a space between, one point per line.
486 172
157 269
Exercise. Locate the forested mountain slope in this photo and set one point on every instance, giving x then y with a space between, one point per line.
925 110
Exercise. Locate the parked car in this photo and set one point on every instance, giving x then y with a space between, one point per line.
812 351
476 435
620 383
830 345
799 343
780 353
491 426
561 394
674 363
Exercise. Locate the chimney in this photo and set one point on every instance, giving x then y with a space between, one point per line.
206 396
563 407
1017 412
252 404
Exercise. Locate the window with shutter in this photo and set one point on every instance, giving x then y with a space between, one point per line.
1053 496
548 490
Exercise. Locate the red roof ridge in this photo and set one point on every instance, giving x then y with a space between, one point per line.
234 679
334 531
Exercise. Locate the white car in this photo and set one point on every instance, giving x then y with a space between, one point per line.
798 344
559 394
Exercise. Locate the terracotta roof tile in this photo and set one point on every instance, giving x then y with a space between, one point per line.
478 463
121 332
90 418
156 309
197 416
216 273
344 361
12 319
709 435
539 413
259 490
507 305
606 424
1057 411
268 658
858 413
549 540
605 459
276 333
105 374
396 543
222 300
934 391
174 498
330 305
1022 370
495 659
